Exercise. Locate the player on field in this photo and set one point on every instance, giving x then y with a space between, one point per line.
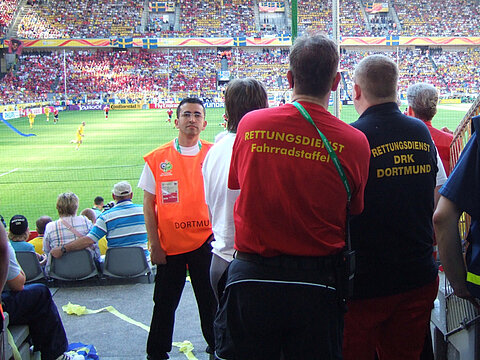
31 118
80 135
55 115
106 109
169 113
46 110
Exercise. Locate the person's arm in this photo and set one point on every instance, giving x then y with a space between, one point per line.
157 255
78 244
445 221
3 256
17 283
15 275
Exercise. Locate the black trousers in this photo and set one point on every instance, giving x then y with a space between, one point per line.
34 306
169 284
267 311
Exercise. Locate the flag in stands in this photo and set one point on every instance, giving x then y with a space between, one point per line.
156 6
161 6
239 41
15 46
284 37
374 7
271 6
150 43
114 42
125 43
392 40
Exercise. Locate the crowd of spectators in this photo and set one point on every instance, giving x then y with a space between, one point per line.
438 18
7 10
81 19
220 18
141 74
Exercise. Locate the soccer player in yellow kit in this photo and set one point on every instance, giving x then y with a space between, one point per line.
31 119
46 110
80 135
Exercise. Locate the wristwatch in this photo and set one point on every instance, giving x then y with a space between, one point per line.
64 250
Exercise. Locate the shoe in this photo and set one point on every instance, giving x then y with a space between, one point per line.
211 353
162 356
64 357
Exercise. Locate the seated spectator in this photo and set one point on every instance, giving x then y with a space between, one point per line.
98 206
33 305
68 228
123 225
102 243
37 242
18 233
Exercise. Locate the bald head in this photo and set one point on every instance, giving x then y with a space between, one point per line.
422 99
377 76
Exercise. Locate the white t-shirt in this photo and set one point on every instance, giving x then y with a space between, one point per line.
147 180
441 174
220 199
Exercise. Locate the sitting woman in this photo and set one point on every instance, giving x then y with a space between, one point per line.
68 228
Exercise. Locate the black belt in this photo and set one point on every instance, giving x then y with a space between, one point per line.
292 262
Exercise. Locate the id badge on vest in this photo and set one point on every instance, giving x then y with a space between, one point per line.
169 192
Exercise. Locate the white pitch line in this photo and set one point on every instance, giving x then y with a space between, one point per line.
9 172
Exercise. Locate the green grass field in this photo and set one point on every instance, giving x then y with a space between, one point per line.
34 170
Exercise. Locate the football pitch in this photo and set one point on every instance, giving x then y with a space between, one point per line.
35 169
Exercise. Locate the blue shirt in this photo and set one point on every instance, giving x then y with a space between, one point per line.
22 246
463 188
123 225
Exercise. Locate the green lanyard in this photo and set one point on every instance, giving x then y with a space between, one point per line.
177 146
329 148
338 166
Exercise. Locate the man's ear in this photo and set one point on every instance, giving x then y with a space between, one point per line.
357 91
336 81
290 78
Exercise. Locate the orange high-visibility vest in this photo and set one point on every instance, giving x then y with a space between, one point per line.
183 222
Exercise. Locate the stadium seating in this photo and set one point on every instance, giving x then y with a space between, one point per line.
136 76
217 18
73 266
81 19
7 10
127 262
31 267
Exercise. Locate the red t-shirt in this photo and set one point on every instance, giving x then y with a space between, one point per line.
442 141
292 200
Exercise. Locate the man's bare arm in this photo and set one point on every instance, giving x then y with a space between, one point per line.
158 255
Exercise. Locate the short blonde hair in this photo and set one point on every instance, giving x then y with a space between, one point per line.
67 204
377 76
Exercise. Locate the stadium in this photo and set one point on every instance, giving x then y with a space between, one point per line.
142 57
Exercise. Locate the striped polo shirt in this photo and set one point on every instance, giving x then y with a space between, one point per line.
123 225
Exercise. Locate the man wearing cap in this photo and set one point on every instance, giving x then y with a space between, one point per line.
123 225
178 226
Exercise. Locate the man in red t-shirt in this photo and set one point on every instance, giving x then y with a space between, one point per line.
282 294
422 104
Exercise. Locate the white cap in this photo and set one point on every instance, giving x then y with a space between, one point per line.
123 188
